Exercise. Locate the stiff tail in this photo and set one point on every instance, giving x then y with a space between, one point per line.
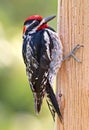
38 98
52 103
38 103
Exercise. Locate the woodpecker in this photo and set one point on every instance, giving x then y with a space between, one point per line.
42 55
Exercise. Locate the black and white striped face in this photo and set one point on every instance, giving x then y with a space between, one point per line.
31 25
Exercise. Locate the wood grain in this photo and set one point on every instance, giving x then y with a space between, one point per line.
73 77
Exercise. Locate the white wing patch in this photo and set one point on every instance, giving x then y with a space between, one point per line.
56 56
46 38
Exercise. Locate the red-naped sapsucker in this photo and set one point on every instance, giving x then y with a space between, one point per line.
42 54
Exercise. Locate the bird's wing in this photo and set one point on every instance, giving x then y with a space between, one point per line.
44 61
56 55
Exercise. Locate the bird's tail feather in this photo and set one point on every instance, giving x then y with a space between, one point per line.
52 103
38 98
38 103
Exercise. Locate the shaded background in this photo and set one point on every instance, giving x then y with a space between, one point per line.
16 100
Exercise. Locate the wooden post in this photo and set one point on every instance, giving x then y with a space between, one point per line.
73 77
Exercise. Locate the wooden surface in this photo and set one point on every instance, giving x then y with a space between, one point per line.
73 77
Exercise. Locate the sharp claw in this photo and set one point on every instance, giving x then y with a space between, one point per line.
76 58
76 48
73 52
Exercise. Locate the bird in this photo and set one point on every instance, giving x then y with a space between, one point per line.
42 53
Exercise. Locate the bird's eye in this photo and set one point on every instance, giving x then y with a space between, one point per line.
36 23
29 25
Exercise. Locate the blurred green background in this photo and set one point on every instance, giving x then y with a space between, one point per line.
16 100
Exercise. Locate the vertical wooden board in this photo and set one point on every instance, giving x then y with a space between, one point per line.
73 77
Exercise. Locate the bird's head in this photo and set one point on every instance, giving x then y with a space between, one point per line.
35 23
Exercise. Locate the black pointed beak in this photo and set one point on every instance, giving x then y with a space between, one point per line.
46 20
49 18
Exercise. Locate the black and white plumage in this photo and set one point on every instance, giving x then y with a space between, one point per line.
42 54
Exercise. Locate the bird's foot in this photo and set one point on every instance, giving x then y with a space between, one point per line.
72 53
